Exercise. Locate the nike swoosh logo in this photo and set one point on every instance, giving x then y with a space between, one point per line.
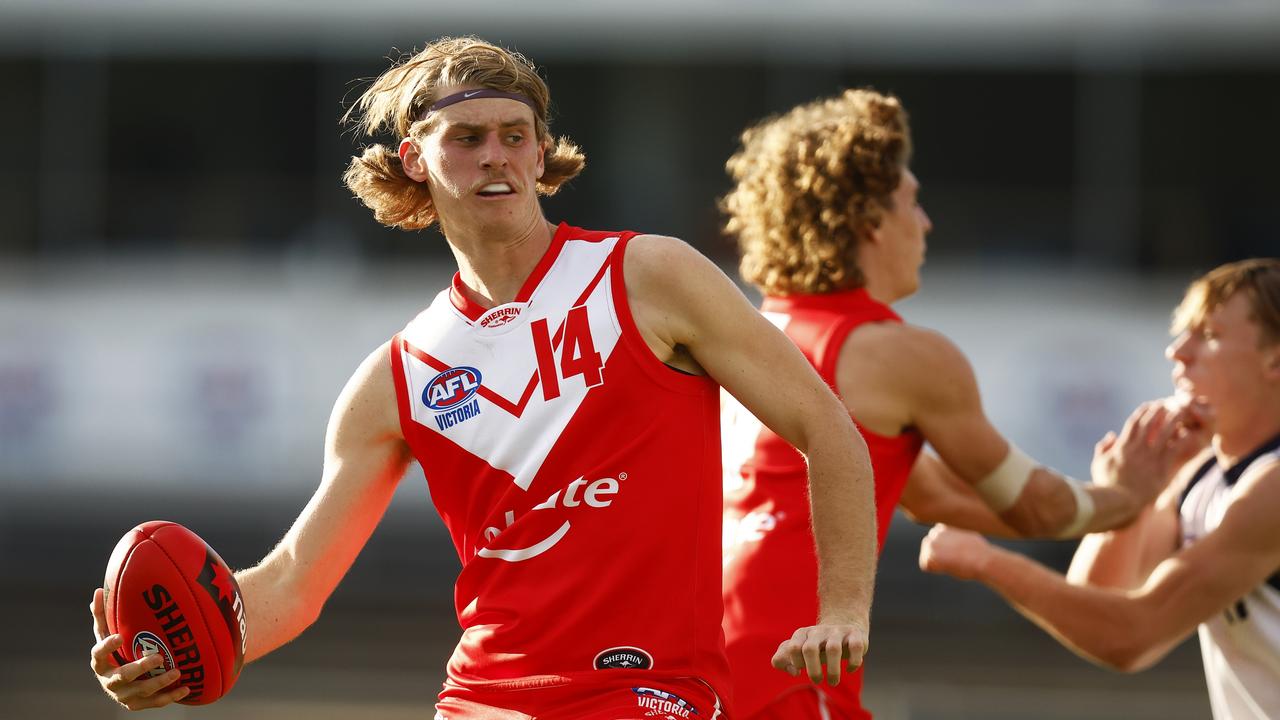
471 93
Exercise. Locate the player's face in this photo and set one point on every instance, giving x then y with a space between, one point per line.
1220 361
482 160
903 228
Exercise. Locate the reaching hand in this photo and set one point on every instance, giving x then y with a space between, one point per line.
950 551
835 646
1156 440
128 684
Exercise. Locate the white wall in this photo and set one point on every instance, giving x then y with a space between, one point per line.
192 376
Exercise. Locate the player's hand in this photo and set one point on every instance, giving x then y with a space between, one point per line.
836 647
951 551
1156 440
128 683
1192 433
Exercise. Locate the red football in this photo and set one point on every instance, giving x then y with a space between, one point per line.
169 592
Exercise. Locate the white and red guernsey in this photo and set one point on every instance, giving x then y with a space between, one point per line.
578 476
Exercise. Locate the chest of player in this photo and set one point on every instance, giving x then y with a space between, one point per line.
503 386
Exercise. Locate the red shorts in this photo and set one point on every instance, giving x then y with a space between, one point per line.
805 702
684 699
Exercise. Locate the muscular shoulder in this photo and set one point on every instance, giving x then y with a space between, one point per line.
676 293
916 362
367 404
661 264
1258 495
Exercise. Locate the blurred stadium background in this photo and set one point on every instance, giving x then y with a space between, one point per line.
185 284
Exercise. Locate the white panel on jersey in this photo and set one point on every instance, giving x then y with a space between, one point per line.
516 430
1240 645
739 429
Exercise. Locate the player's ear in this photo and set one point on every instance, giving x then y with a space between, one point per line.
1271 361
411 160
542 156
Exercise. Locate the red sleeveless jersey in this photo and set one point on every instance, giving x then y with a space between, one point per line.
770 568
579 479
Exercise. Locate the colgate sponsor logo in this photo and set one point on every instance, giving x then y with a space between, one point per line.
579 493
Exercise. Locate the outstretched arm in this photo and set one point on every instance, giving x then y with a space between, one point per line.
1130 630
684 303
1031 499
936 494
365 457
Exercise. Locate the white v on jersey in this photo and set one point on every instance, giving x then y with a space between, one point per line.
1241 645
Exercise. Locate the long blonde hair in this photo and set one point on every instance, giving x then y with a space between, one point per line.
397 102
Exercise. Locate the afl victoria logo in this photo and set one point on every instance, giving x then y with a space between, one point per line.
451 388
624 658
146 644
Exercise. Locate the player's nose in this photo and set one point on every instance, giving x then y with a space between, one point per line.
492 153
1176 350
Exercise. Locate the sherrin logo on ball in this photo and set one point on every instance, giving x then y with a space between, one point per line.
451 388
168 592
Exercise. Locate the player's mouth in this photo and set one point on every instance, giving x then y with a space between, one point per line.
497 189
1184 388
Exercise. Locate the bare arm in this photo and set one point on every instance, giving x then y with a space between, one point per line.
685 304
365 456
935 494
943 402
1125 557
1131 629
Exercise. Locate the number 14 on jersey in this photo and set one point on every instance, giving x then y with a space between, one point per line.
578 354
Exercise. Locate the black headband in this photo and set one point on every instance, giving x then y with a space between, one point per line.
475 95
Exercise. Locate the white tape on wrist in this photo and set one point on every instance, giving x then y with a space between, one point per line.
1002 487
1084 509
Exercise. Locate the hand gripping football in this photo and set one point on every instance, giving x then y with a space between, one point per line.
168 592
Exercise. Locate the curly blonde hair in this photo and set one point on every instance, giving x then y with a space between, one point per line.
809 184
397 102
1257 278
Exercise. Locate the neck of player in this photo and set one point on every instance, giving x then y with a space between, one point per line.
494 263
1238 433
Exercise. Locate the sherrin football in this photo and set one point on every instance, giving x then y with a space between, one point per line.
168 592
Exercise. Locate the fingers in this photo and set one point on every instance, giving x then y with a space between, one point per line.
1131 423
101 659
783 657
929 547
157 701
824 651
98 609
1150 424
811 650
129 672
1106 443
1164 433
132 686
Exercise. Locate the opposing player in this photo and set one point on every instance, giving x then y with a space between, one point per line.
827 216
1207 552
562 398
